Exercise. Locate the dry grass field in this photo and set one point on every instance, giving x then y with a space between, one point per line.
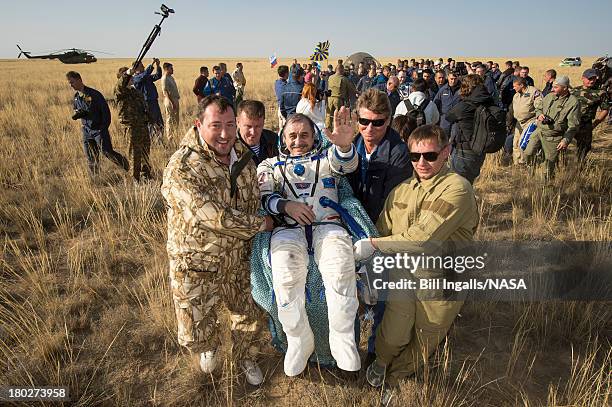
85 299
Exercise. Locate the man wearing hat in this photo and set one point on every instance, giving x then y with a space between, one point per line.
591 98
558 120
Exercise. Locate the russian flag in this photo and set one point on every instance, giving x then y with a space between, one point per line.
273 61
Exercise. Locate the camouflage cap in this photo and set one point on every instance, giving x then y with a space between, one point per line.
590 73
562 81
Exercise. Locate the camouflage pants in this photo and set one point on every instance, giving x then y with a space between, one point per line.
216 311
584 138
140 148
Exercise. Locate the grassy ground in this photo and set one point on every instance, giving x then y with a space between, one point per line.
85 301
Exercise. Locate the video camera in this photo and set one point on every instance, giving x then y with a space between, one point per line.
321 94
165 11
79 114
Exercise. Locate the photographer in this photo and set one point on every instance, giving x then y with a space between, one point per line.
312 104
91 107
558 122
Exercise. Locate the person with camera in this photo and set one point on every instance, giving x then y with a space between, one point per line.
91 108
132 110
312 105
341 89
591 99
144 81
558 121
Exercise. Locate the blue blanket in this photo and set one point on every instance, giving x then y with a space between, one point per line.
316 306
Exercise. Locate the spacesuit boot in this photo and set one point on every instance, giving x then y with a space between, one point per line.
334 254
300 339
342 312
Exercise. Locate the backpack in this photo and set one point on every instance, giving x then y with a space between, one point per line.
489 129
417 113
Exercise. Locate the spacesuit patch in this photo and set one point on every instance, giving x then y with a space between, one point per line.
329 182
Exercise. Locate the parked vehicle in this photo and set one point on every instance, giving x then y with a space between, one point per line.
571 62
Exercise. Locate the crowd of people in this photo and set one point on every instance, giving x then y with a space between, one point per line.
401 135
448 93
137 99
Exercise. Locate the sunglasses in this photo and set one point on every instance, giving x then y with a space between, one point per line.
375 122
429 156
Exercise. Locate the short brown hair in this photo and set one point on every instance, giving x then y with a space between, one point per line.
254 109
429 132
121 71
222 103
469 83
404 125
375 101
73 75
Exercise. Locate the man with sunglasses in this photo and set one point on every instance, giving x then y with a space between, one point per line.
436 205
591 99
383 164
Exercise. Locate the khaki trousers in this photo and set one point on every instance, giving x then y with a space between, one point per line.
172 119
410 332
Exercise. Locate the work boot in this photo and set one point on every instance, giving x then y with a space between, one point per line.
208 361
386 396
375 375
253 373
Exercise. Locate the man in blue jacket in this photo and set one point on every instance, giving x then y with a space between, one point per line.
383 164
446 98
91 107
221 85
143 80
292 93
279 89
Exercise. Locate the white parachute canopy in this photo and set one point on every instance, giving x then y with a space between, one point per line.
358 57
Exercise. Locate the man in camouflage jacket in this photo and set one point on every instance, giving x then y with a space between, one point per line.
133 117
212 195
591 98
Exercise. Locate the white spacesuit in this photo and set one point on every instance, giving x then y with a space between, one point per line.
306 179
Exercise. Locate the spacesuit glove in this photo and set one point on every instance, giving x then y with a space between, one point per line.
363 249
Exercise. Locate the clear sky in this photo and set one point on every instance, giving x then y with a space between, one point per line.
260 28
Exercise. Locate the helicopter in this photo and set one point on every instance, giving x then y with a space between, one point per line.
67 56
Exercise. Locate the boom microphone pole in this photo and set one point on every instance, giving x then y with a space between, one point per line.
165 12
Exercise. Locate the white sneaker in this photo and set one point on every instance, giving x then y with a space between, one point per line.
208 361
254 375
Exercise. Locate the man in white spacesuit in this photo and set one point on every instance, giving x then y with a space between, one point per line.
291 186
